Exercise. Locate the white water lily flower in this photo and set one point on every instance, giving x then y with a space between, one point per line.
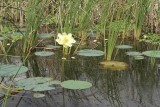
65 40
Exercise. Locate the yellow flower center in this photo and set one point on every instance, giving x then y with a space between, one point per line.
65 40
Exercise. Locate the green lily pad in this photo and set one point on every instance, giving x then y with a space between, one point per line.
152 53
10 70
75 84
133 53
17 34
37 83
45 35
124 47
44 53
139 57
38 95
90 52
52 47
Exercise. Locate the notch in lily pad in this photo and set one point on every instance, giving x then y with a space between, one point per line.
152 53
44 53
37 84
76 84
124 47
90 52
10 70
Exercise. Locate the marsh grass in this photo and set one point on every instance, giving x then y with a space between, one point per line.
107 17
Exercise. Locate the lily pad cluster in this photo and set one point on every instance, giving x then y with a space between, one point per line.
37 83
46 83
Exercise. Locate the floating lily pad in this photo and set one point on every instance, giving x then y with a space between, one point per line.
38 95
37 84
52 47
44 53
124 47
45 35
139 57
133 53
75 84
113 65
10 70
90 52
152 53
17 34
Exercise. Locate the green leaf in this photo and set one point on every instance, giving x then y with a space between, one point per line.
44 53
52 47
45 35
74 84
37 84
10 70
133 53
152 53
90 52
124 47
138 57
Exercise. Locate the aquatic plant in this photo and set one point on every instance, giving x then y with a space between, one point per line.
140 11
151 38
66 40
113 65
90 52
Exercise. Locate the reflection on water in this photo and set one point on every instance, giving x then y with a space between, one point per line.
137 86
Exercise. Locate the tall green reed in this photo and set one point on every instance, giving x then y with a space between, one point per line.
140 11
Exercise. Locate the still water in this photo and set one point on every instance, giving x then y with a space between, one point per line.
137 86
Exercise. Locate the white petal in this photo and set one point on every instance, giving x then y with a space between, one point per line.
69 35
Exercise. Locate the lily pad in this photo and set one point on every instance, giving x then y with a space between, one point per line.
139 57
38 95
75 84
44 53
124 47
133 53
45 35
113 65
37 84
90 52
52 47
152 53
17 34
10 70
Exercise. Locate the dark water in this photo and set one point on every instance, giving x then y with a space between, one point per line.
138 86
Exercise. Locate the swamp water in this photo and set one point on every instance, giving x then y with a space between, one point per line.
137 86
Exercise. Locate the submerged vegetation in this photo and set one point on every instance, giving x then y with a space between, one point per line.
61 32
